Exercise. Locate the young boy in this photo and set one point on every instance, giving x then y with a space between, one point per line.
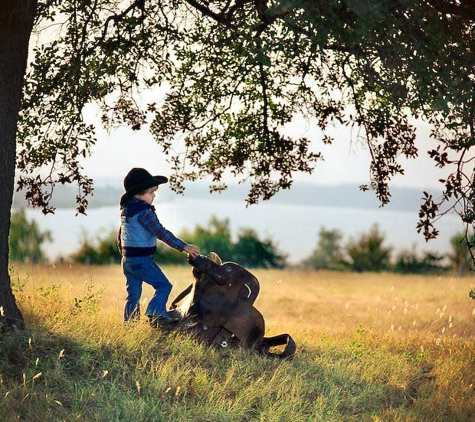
138 232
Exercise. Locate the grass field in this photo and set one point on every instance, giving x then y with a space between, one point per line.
371 347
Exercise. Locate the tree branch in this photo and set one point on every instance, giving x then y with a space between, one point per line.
265 100
218 17
115 18
236 6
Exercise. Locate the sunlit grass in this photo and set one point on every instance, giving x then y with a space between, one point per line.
370 347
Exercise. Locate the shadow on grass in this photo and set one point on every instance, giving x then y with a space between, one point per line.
152 376
50 376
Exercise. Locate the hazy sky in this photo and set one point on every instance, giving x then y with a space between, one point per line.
345 161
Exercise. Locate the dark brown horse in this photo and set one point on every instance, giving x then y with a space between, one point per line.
218 307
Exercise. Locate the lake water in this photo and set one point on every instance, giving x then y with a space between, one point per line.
293 228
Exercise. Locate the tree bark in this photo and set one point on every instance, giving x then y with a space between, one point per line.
16 23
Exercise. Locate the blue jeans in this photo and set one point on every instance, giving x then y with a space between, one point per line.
137 270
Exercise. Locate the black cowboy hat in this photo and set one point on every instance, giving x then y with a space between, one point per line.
139 180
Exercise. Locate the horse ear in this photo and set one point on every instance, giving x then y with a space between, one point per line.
215 258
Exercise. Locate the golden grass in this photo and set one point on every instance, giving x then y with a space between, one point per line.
435 308
370 347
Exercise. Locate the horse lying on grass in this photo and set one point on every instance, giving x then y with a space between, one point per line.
218 308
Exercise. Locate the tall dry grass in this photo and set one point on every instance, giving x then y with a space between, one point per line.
378 347
312 301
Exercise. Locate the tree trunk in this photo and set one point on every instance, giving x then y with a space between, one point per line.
16 23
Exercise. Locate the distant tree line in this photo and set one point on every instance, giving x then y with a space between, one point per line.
367 252
248 249
26 239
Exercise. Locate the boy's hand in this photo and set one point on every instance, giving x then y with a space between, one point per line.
192 250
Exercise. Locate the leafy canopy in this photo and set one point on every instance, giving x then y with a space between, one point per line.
233 73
